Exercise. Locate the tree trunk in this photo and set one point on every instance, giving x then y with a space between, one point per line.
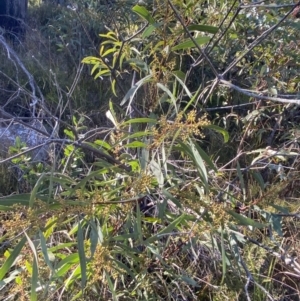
12 17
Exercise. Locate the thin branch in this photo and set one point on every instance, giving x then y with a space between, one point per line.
257 94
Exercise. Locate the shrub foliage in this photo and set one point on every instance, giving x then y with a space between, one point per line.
173 152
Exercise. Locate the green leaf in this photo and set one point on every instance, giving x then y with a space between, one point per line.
12 257
189 281
276 223
130 94
111 287
242 220
22 199
138 225
5 208
125 268
156 171
191 151
113 87
67 264
135 144
81 253
69 133
165 89
224 259
167 230
280 208
149 29
138 135
104 72
258 177
11 200
144 13
201 167
102 144
35 190
190 44
75 274
179 74
168 195
206 158
140 120
139 64
96 236
219 130
34 274
189 94
203 28
91 60
45 251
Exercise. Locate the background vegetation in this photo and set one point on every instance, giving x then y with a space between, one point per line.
173 140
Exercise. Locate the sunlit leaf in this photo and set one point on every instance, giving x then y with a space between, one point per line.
139 120
135 144
156 171
67 264
91 60
113 87
12 257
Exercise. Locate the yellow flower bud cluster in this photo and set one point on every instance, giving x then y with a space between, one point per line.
181 128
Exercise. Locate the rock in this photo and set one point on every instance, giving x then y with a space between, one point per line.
28 135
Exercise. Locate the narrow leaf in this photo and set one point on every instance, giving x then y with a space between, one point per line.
242 220
156 171
35 190
190 44
165 89
12 257
203 28
45 250
135 144
111 287
81 253
167 230
140 120
149 29
130 94
144 13
223 256
219 130
34 274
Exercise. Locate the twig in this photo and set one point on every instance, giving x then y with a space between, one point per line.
257 94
